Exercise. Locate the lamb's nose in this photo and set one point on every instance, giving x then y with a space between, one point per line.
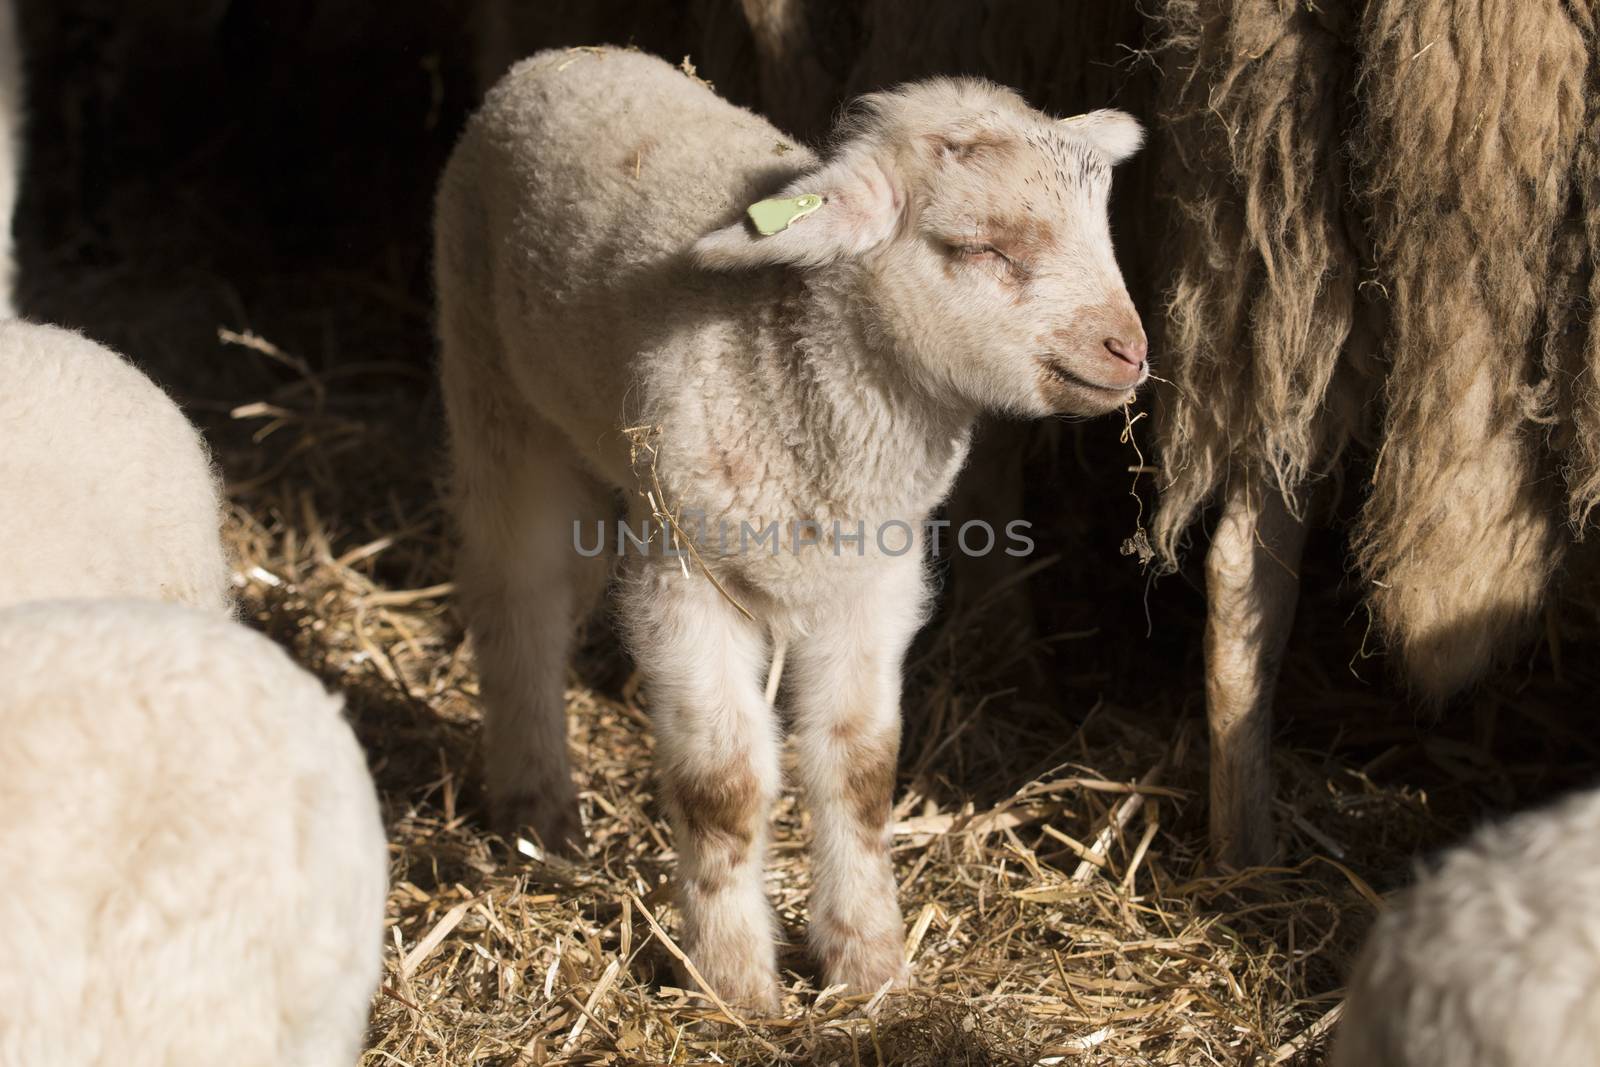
1129 351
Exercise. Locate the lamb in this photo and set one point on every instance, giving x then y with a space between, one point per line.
609 321
195 866
108 489
1491 959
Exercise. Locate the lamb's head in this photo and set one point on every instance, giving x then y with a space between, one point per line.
975 230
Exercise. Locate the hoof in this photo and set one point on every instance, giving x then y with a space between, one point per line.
550 822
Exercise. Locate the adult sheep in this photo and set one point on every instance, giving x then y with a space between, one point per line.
1493 958
195 868
108 490
1356 263
813 378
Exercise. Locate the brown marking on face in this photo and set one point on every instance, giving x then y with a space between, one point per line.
966 146
1019 243
1085 332
1082 337
1025 239
1093 325
719 809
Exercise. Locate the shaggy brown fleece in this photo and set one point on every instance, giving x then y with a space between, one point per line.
1263 299
1471 114
1582 468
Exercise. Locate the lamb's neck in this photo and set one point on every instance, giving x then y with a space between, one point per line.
873 442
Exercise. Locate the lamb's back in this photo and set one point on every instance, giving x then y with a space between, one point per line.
611 160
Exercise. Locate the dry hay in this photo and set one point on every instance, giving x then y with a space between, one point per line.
1024 952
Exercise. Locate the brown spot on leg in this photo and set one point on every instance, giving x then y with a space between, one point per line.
856 926
869 784
719 810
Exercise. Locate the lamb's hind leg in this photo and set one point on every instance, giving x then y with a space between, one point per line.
1252 583
523 587
717 761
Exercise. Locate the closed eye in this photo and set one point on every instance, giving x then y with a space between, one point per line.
989 253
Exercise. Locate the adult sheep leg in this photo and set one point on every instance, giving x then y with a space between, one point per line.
1252 583
716 755
846 681
523 586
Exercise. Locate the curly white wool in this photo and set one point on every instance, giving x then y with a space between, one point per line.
190 842
108 490
1493 958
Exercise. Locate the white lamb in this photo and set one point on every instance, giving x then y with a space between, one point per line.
193 860
106 490
597 275
1492 959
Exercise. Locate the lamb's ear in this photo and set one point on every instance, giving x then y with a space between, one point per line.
1116 134
843 209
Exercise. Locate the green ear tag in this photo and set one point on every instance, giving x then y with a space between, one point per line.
774 216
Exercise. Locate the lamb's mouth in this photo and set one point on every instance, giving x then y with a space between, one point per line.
1063 375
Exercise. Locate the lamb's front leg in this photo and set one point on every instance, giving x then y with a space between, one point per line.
846 685
717 752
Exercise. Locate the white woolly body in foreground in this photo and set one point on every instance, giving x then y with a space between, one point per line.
106 490
596 273
193 861
1493 959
